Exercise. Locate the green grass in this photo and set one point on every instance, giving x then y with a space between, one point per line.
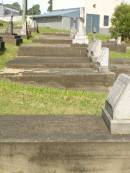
119 54
9 54
51 30
101 37
16 99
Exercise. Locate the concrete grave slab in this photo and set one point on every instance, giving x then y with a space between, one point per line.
61 144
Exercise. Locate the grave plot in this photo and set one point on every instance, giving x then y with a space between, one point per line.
13 39
57 65
9 35
120 65
53 39
61 144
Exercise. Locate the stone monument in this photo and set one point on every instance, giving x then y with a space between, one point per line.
96 50
80 37
10 27
118 41
116 113
103 60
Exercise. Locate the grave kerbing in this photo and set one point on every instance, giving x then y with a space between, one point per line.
116 113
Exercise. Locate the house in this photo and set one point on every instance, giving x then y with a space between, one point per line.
98 15
59 19
7 11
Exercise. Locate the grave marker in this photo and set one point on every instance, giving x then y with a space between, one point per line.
103 60
80 37
116 113
96 50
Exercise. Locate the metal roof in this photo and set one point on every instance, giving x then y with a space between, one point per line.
72 12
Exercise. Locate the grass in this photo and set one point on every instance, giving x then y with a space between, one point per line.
101 37
119 54
20 99
51 30
9 54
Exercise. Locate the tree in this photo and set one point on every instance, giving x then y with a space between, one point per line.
50 2
17 6
121 22
34 10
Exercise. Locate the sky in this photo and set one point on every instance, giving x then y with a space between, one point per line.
43 3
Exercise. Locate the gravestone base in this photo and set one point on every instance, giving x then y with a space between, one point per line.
80 39
121 127
103 69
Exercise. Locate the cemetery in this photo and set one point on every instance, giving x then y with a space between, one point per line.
64 101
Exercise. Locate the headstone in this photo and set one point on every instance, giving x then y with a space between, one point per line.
81 37
10 27
96 50
119 41
103 60
116 113
73 29
24 30
2 44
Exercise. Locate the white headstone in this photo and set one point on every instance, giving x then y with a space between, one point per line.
119 41
117 107
81 37
96 50
103 60
24 30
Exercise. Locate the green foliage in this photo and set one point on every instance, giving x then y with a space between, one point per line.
14 5
50 2
121 22
35 10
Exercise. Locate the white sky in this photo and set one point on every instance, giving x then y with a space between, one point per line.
59 4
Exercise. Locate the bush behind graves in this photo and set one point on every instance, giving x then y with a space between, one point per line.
121 22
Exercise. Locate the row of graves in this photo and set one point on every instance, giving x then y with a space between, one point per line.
58 60
67 144
14 35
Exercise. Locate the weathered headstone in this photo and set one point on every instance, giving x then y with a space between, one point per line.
24 30
2 44
80 37
96 50
117 107
10 27
103 60
118 41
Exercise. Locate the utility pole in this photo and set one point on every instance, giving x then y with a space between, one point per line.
25 6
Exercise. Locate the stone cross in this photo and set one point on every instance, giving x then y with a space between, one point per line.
116 112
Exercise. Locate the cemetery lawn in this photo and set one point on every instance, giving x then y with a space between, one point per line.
9 54
51 30
20 99
101 37
119 54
